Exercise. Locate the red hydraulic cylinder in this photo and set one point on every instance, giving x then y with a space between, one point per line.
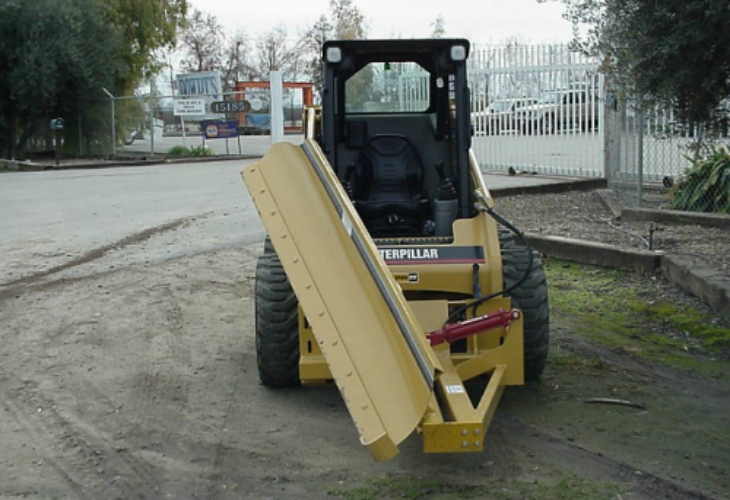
457 331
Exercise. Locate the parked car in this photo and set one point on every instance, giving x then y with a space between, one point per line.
499 115
567 109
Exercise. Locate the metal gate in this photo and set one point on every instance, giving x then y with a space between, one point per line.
537 109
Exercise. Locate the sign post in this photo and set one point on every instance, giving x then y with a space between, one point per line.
183 107
57 127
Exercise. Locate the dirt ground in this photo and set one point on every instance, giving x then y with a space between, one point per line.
142 383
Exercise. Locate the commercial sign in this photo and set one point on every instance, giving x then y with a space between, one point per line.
220 129
189 107
230 107
204 85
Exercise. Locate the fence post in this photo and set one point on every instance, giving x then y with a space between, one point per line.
640 161
114 128
152 117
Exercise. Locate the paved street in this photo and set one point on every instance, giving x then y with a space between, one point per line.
52 218
121 216
250 144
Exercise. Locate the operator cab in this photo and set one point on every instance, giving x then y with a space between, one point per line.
395 118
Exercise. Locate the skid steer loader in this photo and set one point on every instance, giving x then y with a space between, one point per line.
385 269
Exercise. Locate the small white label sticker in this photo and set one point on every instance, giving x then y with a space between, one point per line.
455 389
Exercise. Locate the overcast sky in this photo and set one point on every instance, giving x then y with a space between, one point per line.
481 21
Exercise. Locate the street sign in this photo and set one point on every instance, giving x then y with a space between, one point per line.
221 129
230 107
189 107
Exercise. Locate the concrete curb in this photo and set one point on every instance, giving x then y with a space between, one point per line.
703 282
596 254
22 166
676 217
619 211
552 187
687 273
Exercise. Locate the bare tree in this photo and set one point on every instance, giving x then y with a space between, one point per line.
276 52
314 38
201 41
238 61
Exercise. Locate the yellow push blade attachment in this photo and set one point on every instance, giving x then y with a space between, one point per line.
375 349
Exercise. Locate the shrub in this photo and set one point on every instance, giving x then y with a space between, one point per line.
196 151
179 151
705 186
201 151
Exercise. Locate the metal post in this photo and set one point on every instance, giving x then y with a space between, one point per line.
277 107
640 161
152 117
114 128
182 124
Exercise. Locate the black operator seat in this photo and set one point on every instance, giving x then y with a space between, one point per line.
388 186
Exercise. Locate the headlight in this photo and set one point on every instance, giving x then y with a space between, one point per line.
334 54
458 53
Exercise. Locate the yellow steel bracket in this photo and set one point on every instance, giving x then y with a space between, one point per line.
452 423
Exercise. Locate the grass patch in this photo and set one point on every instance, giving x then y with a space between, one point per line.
636 313
420 489
575 363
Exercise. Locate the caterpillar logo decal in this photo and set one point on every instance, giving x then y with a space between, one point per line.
406 277
432 255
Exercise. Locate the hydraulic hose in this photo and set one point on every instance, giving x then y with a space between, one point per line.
483 206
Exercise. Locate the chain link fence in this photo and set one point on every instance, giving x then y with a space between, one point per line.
163 130
140 126
650 155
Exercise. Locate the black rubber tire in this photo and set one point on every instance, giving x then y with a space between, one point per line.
531 297
506 237
277 323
